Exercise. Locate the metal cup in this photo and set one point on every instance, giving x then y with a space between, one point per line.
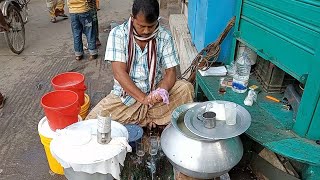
209 119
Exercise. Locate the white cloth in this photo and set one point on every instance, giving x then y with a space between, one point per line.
214 71
76 146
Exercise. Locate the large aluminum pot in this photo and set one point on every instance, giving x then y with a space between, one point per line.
195 156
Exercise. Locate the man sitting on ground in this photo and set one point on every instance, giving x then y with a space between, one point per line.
144 60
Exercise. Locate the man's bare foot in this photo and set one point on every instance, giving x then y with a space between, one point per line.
152 125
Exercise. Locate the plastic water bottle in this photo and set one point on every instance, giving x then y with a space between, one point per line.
242 73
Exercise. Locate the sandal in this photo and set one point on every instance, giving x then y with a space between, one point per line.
92 57
98 43
78 58
53 20
63 15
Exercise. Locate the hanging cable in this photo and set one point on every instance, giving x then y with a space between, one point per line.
207 56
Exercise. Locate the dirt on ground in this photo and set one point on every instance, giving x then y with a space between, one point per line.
25 78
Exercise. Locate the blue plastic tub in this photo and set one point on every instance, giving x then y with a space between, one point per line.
135 134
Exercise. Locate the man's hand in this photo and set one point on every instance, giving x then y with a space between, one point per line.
155 98
151 99
146 101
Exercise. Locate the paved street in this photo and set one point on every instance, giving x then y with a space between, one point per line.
26 77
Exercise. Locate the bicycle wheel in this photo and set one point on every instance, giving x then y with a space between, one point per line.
15 37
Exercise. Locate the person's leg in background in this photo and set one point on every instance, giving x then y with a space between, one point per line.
96 24
51 5
59 11
98 5
77 29
89 29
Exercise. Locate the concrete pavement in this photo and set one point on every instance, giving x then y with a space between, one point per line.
26 77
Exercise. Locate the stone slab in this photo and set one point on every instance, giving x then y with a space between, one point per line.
181 35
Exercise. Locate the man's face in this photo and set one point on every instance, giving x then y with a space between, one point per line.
142 27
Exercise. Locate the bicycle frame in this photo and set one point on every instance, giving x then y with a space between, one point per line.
7 3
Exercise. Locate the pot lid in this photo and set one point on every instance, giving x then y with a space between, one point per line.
178 121
135 132
221 130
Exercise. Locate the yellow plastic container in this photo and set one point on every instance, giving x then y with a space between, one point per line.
85 107
46 135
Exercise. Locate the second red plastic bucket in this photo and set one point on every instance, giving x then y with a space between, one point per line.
72 81
61 108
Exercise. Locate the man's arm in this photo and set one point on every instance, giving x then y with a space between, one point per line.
169 79
120 74
169 62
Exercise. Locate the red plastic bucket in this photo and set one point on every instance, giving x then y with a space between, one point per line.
61 108
72 81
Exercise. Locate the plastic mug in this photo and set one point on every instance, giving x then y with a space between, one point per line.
139 148
153 149
231 113
209 119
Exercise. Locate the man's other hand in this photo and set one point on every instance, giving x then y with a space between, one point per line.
154 98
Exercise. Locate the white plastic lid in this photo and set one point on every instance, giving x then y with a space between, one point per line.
44 128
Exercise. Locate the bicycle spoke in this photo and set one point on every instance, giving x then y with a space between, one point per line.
15 37
18 32
14 31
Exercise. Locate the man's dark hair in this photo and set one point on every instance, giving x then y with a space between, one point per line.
149 8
